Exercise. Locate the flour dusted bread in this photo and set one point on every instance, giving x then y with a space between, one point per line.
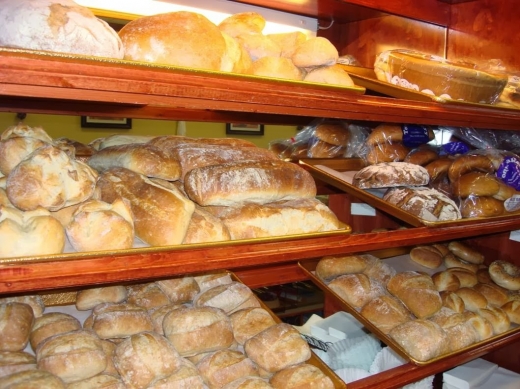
14 361
90 297
50 324
248 181
104 381
333 74
34 300
16 320
304 375
357 289
288 41
386 312
390 174
315 51
205 227
57 25
248 322
243 23
421 339
161 213
229 297
276 67
148 295
170 142
276 219
120 320
32 379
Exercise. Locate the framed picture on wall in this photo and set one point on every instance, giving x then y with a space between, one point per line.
106 122
244 129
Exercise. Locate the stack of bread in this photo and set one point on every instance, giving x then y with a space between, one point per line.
165 190
203 331
449 301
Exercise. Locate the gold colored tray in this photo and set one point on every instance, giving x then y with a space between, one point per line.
84 59
339 172
309 268
366 77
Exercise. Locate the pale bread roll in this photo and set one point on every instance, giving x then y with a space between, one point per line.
157 315
259 46
385 312
248 181
277 347
276 67
179 290
330 267
278 218
301 376
426 256
109 348
29 233
389 174
205 227
225 366
207 281
102 381
251 382
89 298
120 320
497 317
57 25
161 214
97 225
466 277
49 178
186 376
446 281
32 379
34 300
229 297
145 357
14 361
72 356
481 325
288 41
460 333
50 324
332 75
380 271
512 310
357 289
16 320
243 23
473 299
196 330
236 59
145 159
176 38
452 301
148 295
315 51
248 322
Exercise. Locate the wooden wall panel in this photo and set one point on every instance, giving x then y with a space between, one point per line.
485 29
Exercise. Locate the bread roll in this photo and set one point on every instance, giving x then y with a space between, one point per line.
236 59
465 252
198 330
293 217
483 276
389 174
116 321
109 349
426 256
301 376
16 320
49 178
385 133
161 214
459 332
205 227
467 278
243 23
248 322
50 324
176 38
481 325
315 51
512 310
467 163
89 298
157 315
14 361
273 66
249 181
421 339
288 41
481 206
332 75
356 289
72 356
260 46
179 290
334 133
446 281
60 26
386 152
101 381
145 357
186 376
473 299
228 297
225 366
31 379
497 317
452 301
494 294
320 149
35 301
252 382
207 281
476 183
451 260
438 169
385 312
277 348
330 267
148 295
421 156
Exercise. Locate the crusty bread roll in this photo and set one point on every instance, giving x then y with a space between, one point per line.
207 281
467 278
277 218
80 150
483 276
50 324
161 214
481 325
385 312
320 149
356 289
495 295
386 152
176 38
390 174
466 252
120 320
334 133
225 366
34 300
304 375
148 295
497 317
145 159
277 347
315 51
236 59
422 156
14 361
330 267
88 298
385 133
243 23
276 67
145 357
57 25
260 46
481 206
157 315
452 301
332 75
288 41
248 181
109 349
251 382
229 297
446 281
426 256
438 169
104 381
380 271
459 332
451 260
467 163
512 310
32 379
196 330
205 227
72 356
49 178
475 183
248 322
179 290
473 299
16 320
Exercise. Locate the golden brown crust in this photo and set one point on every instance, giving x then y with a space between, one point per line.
446 281
385 133
426 256
451 260
476 206
465 252
439 168
386 152
421 156
469 162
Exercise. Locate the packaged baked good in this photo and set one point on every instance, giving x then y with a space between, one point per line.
390 174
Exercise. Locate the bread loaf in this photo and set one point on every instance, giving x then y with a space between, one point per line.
144 159
225 366
207 281
320 149
229 297
426 256
148 295
356 289
243 23
258 182
497 317
269 65
179 290
104 381
117 140
14 361
386 312
316 51
205 227
292 217
248 322
116 321
390 174
386 152
32 379
301 376
466 252
16 320
161 214
170 142
186 376
157 315
91 297
330 267
50 324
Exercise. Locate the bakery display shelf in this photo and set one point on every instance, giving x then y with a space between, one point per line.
339 173
148 91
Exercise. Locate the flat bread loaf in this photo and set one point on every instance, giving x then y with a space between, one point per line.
390 174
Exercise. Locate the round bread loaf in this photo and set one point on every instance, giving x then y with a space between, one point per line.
386 152
50 324
332 75
446 281
385 312
120 320
333 133
229 297
481 325
481 206
179 290
88 298
390 174
466 277
243 23
451 260
16 321
14 149
426 256
145 357
176 38
248 322
32 379
356 289
277 347
14 361
148 295
494 294
315 51
72 356
301 376
473 299
57 25
102 381
452 301
497 317
196 330
330 267
512 310
465 252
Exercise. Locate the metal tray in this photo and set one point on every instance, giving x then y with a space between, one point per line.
65 302
339 173
366 77
400 262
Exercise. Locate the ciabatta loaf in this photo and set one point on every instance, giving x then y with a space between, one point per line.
239 182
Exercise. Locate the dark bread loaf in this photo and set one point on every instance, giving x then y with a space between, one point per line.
390 174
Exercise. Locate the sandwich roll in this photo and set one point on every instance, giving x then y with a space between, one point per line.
301 376
288 41
104 381
32 379
451 260
386 312
494 294
330 267
316 51
16 321
179 290
148 295
120 320
273 66
14 361
89 298
446 281
467 278
465 252
512 310
426 256
35 301
229 297
497 317
357 289
332 75
248 322
50 324
473 299
452 301
243 23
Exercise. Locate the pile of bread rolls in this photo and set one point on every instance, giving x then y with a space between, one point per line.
205 331
164 190
459 304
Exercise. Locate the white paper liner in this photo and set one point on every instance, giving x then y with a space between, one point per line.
355 352
351 374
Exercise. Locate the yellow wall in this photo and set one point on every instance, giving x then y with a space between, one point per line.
70 126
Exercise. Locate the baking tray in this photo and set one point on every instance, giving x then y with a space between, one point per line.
84 59
400 260
141 248
367 78
65 302
339 173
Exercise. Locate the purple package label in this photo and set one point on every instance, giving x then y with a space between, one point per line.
509 171
454 148
415 135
